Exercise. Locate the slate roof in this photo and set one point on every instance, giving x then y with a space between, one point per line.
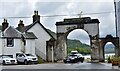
52 33
14 33
29 35
11 32
29 26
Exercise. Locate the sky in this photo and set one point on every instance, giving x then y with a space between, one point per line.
25 8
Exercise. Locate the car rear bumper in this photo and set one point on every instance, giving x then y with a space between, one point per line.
70 61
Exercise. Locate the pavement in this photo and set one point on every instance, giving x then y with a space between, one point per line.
84 65
110 65
106 64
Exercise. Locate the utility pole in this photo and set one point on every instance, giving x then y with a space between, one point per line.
80 14
115 19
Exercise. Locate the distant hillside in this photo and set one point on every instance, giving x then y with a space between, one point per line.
75 44
109 48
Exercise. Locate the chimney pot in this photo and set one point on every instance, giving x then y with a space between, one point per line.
36 17
21 26
4 24
21 22
37 12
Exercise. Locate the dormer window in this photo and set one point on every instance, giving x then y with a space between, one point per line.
10 42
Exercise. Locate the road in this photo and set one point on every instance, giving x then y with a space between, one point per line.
73 66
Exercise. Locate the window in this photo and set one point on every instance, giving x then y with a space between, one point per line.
10 42
21 55
11 56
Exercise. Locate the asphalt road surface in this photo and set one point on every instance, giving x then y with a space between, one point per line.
61 67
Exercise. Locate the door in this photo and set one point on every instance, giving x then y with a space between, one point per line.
20 58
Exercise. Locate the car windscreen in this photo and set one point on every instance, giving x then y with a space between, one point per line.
72 55
29 55
6 57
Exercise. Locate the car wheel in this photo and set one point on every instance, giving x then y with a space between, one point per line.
65 61
25 62
3 63
36 62
18 62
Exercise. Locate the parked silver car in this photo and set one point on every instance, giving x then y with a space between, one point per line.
7 60
27 58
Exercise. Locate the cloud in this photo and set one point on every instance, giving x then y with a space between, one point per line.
106 19
16 9
47 8
60 0
27 7
79 34
107 25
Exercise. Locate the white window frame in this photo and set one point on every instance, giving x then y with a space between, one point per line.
10 42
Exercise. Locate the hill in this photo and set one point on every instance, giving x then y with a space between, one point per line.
76 43
109 48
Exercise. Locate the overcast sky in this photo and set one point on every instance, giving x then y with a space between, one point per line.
26 8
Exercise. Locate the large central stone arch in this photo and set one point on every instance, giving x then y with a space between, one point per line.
91 26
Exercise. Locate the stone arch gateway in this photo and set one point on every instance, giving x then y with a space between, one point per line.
91 26
103 41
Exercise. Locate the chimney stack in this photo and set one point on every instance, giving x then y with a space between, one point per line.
4 24
21 26
36 17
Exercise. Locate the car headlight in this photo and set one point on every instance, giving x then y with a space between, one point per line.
72 58
36 58
75 57
29 58
7 60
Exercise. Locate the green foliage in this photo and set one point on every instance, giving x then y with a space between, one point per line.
40 60
77 45
112 58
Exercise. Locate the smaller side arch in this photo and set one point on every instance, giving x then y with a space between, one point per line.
103 41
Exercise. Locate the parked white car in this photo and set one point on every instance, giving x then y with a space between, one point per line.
7 60
27 58
76 53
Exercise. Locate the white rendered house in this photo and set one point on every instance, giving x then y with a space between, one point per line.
13 41
33 38
43 43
